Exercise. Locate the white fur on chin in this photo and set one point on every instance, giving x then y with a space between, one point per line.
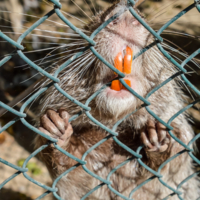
116 104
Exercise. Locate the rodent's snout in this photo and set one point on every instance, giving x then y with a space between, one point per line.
118 42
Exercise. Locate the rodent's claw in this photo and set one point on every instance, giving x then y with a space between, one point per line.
56 125
155 137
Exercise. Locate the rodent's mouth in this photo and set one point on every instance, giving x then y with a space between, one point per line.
123 62
111 78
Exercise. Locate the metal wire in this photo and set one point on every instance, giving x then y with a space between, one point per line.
112 132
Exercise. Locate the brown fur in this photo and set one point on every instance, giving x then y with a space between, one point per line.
152 69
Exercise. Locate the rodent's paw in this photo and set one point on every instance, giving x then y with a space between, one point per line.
155 137
56 125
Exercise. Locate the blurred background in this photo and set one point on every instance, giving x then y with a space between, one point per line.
47 47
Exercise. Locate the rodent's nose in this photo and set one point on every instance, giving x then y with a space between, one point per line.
135 22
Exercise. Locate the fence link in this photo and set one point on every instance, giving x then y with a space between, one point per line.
112 132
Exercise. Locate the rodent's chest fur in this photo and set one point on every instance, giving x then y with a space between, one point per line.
107 155
85 138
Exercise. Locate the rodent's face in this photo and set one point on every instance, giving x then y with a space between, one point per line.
123 32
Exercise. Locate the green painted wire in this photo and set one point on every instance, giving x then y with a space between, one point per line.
20 115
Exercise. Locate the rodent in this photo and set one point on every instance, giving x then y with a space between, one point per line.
148 71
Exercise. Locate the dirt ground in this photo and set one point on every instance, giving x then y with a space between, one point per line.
20 188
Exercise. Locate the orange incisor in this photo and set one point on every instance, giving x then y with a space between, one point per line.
128 60
119 62
123 65
128 82
116 85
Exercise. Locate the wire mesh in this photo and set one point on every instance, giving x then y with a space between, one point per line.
86 109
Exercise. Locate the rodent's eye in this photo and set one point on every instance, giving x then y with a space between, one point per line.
115 22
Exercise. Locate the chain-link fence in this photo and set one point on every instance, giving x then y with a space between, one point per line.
86 109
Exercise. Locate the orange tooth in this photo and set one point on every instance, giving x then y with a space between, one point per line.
128 82
119 62
116 85
128 60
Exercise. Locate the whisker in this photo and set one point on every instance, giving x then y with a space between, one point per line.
150 22
93 6
49 61
45 69
180 61
181 34
82 58
61 38
60 33
41 50
80 73
86 68
48 3
38 43
35 88
62 58
33 76
167 19
64 52
35 61
11 12
74 17
166 5
187 88
178 47
82 10
37 17
89 7
72 39
82 63
183 54
50 53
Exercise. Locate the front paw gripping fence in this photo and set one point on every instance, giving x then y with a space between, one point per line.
86 109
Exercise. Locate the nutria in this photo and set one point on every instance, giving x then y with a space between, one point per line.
84 77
